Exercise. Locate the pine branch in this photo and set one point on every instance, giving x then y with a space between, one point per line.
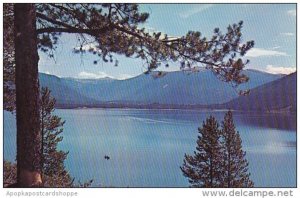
44 17
68 28
72 30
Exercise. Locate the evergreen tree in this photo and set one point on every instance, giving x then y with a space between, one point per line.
54 173
219 160
204 168
235 173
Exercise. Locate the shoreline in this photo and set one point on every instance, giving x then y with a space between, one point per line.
171 108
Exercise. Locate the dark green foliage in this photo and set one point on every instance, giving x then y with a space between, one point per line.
235 165
10 173
204 168
83 185
54 172
52 166
219 160
8 59
63 180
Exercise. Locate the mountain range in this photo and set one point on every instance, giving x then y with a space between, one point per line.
175 88
277 95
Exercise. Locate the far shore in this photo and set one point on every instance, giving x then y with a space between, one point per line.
215 108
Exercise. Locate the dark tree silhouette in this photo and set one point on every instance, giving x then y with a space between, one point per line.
219 160
113 28
27 97
9 95
235 165
204 168
9 174
54 173
53 170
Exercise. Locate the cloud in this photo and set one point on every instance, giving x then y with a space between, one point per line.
90 75
197 9
100 74
287 34
280 70
291 12
257 52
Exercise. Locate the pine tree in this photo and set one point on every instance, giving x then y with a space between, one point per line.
235 173
52 163
54 173
204 168
219 160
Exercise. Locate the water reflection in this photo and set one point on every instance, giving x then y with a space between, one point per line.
271 120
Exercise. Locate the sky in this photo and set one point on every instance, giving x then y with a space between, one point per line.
271 26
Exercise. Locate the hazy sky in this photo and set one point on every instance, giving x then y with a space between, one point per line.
271 26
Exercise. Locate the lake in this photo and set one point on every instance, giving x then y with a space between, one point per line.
147 147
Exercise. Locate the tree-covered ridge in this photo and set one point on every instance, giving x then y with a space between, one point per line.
174 89
276 96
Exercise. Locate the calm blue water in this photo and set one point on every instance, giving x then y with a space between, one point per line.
147 147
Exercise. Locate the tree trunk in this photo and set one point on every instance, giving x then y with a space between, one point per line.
27 97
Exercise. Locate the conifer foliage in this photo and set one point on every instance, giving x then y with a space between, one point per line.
9 173
203 169
235 165
52 163
53 170
9 95
219 160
